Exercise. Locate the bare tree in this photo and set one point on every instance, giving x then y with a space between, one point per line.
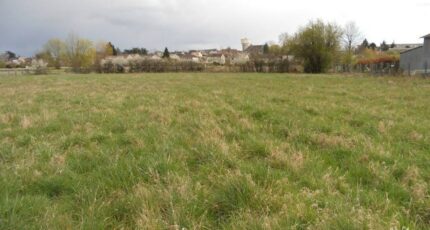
351 36
283 38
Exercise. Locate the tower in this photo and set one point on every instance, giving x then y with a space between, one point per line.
245 43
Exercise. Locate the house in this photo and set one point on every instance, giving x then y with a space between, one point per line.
416 60
206 52
234 56
216 59
239 58
190 57
196 54
175 57
20 61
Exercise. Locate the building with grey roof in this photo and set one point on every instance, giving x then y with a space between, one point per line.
417 60
249 48
255 49
404 47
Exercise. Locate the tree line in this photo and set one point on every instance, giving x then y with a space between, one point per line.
318 47
321 47
81 54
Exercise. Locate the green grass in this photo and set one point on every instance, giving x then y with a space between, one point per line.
214 151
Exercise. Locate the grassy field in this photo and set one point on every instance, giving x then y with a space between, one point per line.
214 151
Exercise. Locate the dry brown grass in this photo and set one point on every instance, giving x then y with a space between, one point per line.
413 181
26 122
326 140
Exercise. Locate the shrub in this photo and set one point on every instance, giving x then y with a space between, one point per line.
39 66
316 45
137 64
267 65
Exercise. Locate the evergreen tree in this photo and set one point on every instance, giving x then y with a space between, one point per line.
372 46
365 44
143 51
112 47
136 50
266 49
384 46
393 45
11 55
166 53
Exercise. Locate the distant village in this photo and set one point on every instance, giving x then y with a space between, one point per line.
215 56
205 56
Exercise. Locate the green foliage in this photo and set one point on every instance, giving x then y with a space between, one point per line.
384 46
54 52
317 45
75 52
80 53
275 49
268 65
140 51
111 47
214 151
347 60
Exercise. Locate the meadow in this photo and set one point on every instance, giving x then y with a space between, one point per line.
214 151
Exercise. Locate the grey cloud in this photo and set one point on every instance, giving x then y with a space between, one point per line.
25 25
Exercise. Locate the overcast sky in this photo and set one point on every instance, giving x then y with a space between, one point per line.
25 25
